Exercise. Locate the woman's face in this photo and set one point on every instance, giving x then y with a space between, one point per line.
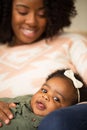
28 20
56 93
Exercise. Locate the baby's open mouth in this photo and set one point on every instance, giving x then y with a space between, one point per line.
40 105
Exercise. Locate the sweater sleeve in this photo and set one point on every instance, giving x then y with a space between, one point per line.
78 55
16 99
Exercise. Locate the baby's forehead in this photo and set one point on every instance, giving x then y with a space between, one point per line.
61 81
60 86
62 77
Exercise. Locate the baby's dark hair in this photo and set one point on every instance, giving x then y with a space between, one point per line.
58 13
83 90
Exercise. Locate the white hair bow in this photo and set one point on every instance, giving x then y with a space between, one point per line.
77 84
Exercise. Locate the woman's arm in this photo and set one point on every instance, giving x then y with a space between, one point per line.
78 55
5 105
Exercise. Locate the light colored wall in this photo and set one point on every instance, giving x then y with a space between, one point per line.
79 23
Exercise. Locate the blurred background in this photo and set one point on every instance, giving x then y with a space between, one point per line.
79 23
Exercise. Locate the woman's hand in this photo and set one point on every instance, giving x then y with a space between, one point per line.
5 112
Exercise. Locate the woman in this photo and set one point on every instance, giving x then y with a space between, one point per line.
32 45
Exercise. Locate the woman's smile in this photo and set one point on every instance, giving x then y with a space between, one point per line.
30 33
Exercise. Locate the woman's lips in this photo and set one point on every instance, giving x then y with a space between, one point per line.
28 33
40 105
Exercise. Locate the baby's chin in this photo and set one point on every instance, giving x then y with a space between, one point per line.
39 113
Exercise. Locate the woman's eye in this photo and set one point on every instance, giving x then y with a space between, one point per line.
44 90
56 99
22 13
41 14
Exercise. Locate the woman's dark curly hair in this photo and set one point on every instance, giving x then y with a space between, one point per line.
58 13
5 20
83 90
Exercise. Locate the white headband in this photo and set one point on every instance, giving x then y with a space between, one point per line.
77 84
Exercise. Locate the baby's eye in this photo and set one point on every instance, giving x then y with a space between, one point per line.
44 90
56 99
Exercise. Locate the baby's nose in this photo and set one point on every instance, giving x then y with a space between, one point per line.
46 97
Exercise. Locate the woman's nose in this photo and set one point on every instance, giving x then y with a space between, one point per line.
46 97
31 20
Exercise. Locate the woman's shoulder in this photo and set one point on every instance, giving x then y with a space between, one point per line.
72 36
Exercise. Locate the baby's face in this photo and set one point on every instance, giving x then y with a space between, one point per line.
54 94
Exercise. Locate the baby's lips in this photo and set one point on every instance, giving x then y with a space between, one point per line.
41 105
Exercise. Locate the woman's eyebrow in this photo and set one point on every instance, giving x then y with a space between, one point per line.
42 8
25 6
21 5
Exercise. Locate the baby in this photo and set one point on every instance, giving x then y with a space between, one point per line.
61 89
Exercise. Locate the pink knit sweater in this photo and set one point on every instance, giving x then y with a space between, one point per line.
24 68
